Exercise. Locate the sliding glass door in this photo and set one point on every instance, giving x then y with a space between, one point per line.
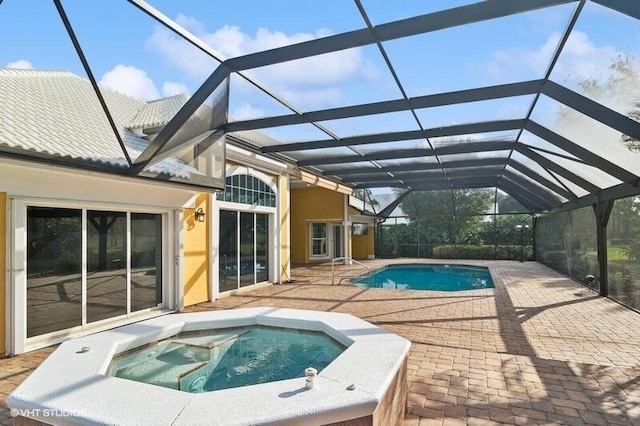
85 266
54 269
106 265
244 249
146 261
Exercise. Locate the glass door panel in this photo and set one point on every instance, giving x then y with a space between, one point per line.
106 265
244 249
262 247
228 250
247 249
146 261
337 241
54 269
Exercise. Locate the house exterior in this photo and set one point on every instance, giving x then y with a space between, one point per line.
86 250
330 223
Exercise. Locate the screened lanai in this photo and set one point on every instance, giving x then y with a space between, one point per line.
533 103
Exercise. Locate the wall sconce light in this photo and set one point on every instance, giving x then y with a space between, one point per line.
199 215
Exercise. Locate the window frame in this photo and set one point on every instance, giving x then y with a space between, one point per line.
240 188
312 239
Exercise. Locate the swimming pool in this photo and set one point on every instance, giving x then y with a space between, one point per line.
428 277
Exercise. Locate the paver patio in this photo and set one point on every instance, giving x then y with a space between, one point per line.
537 349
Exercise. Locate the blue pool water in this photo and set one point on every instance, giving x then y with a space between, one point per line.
221 359
428 277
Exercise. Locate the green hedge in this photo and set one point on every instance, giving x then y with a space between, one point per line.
482 252
555 259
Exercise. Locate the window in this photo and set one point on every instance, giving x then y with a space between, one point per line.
360 229
246 189
318 239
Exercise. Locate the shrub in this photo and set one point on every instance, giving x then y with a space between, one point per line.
582 264
481 252
623 282
632 249
555 259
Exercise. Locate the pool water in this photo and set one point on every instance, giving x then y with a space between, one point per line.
428 277
220 359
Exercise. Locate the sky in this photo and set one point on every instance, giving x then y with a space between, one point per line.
130 52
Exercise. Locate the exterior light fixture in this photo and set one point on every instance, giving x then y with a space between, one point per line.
199 215
589 280
521 228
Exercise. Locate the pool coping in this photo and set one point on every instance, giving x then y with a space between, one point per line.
72 385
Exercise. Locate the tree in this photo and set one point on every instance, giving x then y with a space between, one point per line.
508 204
502 229
632 143
620 89
365 195
624 226
447 216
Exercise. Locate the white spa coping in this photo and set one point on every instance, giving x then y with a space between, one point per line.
70 381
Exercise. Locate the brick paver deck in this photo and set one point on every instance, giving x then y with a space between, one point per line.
537 349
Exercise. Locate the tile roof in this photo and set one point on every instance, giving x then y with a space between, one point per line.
158 113
57 113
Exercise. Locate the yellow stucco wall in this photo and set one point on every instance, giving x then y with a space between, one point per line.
3 256
285 223
311 205
362 246
196 262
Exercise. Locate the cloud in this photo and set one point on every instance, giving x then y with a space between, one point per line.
181 55
246 112
20 63
170 88
580 59
313 82
131 81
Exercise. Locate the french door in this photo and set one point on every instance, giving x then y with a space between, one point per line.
244 249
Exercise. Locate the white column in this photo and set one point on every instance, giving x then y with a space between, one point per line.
214 232
17 282
178 259
346 234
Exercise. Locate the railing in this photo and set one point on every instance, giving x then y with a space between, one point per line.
333 262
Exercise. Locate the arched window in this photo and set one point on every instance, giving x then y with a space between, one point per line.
246 189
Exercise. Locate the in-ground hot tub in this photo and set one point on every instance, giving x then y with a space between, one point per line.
366 383
210 360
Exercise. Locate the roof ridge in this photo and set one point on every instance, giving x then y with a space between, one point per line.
179 95
37 72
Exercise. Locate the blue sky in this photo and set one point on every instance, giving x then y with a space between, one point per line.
130 52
